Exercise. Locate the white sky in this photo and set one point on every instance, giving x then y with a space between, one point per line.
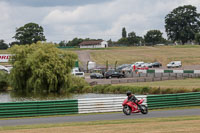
67 19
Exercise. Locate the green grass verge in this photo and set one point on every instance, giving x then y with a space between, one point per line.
189 83
143 120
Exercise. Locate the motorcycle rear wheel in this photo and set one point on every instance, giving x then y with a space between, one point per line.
127 110
144 109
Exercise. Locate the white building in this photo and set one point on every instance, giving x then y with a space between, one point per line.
94 44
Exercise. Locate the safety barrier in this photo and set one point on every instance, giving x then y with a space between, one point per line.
41 108
92 105
173 100
111 104
169 71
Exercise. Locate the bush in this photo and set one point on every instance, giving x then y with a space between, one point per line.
119 89
3 81
79 85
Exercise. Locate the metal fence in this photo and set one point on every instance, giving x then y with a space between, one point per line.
110 104
41 108
173 100
92 105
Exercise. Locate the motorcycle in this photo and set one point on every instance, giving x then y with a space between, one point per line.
130 107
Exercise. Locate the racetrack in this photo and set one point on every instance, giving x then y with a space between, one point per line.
96 117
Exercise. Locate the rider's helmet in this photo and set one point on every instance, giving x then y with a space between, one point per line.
128 93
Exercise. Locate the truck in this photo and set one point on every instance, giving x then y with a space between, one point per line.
174 64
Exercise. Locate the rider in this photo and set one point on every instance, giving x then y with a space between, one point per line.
132 98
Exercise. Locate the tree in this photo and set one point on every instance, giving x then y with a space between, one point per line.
197 38
14 43
75 42
3 45
124 33
182 23
41 67
132 38
29 33
62 43
123 41
153 37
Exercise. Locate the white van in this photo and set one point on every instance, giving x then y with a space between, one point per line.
174 64
76 72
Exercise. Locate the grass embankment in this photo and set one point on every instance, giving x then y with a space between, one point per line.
176 84
188 54
151 125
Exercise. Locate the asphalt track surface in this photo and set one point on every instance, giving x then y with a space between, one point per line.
96 117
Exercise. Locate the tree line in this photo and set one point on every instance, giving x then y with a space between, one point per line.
182 25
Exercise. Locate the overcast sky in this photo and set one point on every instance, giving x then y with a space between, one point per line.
67 19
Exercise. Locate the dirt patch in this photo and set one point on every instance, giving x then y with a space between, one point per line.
84 57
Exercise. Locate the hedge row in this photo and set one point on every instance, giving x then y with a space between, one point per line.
138 90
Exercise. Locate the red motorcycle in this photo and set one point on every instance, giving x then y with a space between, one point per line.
130 107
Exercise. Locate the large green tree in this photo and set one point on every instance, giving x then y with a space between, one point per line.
3 45
133 39
29 33
153 37
41 67
182 23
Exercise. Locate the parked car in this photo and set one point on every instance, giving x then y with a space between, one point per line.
96 76
138 64
111 74
121 67
156 64
146 65
174 64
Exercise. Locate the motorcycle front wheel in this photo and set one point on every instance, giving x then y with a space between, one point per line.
144 109
127 110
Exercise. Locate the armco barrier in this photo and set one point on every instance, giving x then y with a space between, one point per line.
173 100
168 71
91 105
111 104
41 108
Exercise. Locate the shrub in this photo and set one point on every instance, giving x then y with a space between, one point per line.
196 90
138 90
79 85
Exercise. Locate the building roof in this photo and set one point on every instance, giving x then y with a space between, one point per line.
96 42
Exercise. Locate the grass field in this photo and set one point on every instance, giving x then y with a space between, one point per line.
176 84
184 124
188 54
